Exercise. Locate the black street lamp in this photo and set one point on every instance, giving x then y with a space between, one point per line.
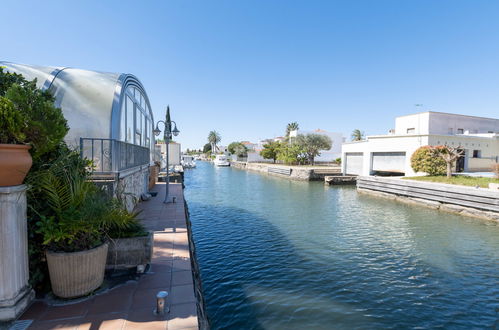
167 135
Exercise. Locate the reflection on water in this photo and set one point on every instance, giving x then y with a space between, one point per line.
276 254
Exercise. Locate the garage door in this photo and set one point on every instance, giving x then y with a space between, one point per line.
353 163
392 162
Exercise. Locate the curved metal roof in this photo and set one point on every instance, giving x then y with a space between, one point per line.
90 100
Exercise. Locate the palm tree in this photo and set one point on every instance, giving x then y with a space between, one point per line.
291 127
214 138
357 135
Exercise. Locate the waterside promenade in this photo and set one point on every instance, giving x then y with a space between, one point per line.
130 306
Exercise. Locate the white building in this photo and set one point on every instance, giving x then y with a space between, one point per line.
477 136
174 153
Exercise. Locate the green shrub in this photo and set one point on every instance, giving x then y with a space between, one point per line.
425 159
44 125
12 123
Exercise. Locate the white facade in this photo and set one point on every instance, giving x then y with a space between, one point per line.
478 137
174 153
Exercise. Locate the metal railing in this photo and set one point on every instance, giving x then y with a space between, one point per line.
111 156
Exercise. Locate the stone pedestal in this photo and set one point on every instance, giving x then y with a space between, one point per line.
15 292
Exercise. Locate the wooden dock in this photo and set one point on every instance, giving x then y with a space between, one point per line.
340 179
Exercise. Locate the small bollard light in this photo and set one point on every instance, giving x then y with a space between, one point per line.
174 199
161 308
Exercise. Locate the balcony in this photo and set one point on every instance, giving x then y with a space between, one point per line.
110 156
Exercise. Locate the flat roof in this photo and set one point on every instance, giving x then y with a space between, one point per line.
447 113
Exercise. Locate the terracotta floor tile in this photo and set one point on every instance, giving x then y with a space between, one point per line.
71 324
35 311
161 266
181 294
155 280
66 311
108 321
182 278
149 325
146 298
180 264
111 303
145 315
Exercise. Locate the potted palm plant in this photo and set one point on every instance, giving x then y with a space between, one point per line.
74 224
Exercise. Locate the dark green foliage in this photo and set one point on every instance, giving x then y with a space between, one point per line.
271 150
44 125
237 148
207 148
425 159
12 123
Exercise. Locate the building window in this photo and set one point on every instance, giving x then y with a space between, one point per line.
460 131
129 119
411 130
477 154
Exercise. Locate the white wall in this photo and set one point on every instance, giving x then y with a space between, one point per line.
418 121
385 143
442 123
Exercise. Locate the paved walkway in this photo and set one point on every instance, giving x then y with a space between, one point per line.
130 306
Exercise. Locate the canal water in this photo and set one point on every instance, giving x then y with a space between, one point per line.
277 254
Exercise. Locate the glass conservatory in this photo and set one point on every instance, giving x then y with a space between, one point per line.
109 115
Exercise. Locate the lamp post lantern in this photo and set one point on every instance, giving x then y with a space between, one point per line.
167 135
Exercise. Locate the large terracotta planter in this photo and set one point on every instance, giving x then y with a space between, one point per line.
76 274
15 162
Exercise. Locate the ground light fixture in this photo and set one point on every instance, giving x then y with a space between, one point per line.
168 132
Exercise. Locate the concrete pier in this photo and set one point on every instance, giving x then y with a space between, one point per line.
15 292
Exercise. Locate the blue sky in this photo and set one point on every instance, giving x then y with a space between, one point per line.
247 68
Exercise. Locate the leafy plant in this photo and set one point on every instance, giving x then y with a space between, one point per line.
44 125
291 154
237 148
312 144
77 214
12 123
425 160
271 150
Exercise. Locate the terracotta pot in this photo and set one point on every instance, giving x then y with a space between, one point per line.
15 162
75 274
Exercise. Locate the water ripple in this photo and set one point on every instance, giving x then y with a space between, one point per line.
276 254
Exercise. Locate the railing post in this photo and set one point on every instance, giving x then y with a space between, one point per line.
81 147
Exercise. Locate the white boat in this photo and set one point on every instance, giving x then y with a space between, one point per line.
188 161
221 160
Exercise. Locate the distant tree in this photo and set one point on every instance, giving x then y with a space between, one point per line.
214 138
449 155
238 149
271 150
206 148
291 127
357 135
291 153
312 144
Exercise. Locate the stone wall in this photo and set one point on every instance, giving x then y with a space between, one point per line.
298 173
480 203
131 184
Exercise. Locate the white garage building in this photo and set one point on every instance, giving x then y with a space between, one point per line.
391 154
